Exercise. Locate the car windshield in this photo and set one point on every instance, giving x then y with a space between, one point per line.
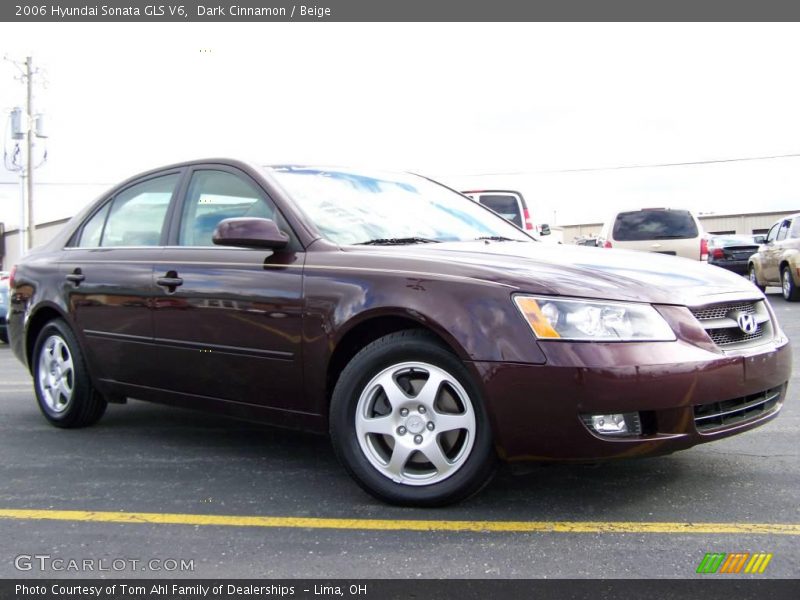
360 207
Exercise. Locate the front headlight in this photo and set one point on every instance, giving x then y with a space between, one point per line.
593 320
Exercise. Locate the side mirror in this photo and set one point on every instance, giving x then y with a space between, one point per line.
249 232
760 239
544 229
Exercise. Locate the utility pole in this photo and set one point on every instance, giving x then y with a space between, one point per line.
25 126
29 163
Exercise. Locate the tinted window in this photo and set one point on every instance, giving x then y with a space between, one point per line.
137 213
783 230
654 225
504 205
217 195
93 229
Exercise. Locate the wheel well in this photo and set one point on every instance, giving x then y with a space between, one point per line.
363 334
37 323
784 264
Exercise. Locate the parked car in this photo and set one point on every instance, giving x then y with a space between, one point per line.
663 230
591 241
731 252
777 262
508 204
425 333
4 304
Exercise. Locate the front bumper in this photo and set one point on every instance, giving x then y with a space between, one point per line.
535 410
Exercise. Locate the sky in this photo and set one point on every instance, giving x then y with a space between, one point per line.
512 105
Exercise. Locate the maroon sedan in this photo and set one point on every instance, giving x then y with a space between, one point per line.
428 335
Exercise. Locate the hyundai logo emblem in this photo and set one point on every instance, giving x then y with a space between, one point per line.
747 323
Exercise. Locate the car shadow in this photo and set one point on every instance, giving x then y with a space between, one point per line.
245 463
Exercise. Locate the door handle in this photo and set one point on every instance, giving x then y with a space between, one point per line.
76 276
170 281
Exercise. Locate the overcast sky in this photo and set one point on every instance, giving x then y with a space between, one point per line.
447 100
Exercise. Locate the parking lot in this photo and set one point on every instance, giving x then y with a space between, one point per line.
232 499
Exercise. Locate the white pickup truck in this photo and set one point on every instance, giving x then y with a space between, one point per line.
510 205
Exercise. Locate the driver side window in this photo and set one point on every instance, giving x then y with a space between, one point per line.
214 196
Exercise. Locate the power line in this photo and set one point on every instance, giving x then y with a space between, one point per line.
649 166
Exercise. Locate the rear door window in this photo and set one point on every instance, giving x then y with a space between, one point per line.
138 213
654 225
796 228
784 230
93 229
505 205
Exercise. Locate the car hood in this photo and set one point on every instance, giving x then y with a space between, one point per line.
577 271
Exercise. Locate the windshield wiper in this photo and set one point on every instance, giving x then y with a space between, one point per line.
496 238
397 241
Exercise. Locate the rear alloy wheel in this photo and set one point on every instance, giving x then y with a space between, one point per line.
63 388
754 279
790 290
408 424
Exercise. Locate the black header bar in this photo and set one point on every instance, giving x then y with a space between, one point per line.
398 10
708 588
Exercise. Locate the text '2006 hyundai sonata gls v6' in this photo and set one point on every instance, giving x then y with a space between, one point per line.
427 334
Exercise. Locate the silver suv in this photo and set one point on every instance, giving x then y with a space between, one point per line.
662 230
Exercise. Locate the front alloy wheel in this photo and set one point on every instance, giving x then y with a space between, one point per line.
415 423
409 424
754 279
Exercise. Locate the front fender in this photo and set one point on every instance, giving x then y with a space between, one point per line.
478 319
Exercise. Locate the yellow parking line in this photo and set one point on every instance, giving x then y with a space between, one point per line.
404 524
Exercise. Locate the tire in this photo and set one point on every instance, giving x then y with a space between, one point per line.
428 446
4 336
64 391
791 292
754 278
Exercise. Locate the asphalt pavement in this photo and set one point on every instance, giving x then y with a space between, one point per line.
145 458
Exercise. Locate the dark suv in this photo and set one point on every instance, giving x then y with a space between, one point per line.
426 334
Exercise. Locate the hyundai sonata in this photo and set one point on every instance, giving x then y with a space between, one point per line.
425 333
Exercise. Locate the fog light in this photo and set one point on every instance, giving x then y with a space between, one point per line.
618 424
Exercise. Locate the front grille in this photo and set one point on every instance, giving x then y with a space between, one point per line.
718 415
720 311
721 325
727 336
